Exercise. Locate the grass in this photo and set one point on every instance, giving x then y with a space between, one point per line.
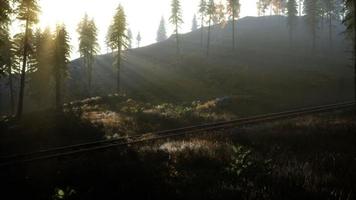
311 157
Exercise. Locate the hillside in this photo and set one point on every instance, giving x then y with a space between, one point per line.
265 72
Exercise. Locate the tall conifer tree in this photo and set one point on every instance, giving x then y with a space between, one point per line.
117 39
28 13
176 20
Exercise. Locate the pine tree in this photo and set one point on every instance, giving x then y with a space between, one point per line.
7 64
6 48
43 54
176 20
28 12
350 22
88 45
161 33
300 5
117 39
262 6
202 12
312 17
194 23
220 14
234 12
211 12
138 38
60 62
292 13
129 39
331 11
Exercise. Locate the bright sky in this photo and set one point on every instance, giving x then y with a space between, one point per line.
142 15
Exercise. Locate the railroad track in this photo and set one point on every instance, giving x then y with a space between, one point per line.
141 138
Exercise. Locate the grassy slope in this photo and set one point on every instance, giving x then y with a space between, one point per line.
265 74
310 157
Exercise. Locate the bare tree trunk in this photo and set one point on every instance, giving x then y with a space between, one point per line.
330 33
354 22
23 74
290 36
202 31
208 44
118 68
58 90
177 39
233 31
12 98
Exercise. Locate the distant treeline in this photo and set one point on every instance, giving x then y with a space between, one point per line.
34 62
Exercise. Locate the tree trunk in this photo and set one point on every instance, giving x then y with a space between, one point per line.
177 39
12 98
208 44
330 33
233 31
354 22
23 74
202 31
118 68
58 90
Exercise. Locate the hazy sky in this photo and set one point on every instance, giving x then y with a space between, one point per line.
142 15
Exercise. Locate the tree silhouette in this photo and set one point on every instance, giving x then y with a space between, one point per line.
202 12
300 5
234 12
312 14
176 20
61 60
331 11
88 45
7 63
117 39
292 13
161 33
44 56
138 38
278 6
350 22
194 23
6 49
27 12
211 11
129 39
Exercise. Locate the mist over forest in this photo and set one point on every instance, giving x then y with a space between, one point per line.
252 107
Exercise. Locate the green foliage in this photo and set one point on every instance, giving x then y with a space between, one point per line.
44 56
292 13
176 20
312 14
138 38
61 60
349 20
88 45
116 38
64 194
28 10
161 33
176 14
194 23
233 8
61 50
129 38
